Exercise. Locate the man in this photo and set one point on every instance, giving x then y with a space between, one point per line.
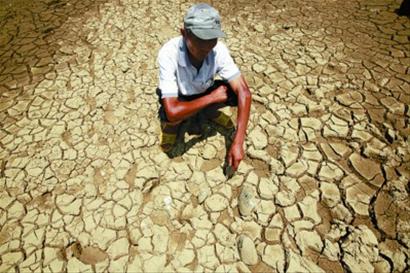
187 67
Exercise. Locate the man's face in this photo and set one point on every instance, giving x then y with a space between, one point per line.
199 48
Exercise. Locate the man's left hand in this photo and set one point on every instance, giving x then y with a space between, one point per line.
235 155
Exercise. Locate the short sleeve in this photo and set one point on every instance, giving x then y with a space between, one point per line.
167 74
225 65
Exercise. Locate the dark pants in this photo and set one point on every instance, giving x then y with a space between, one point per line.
231 101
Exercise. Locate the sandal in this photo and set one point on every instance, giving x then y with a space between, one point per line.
167 141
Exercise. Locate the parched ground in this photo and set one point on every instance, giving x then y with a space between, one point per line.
325 183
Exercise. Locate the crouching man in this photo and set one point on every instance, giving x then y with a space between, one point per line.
188 65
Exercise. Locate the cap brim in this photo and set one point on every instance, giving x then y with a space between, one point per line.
208 34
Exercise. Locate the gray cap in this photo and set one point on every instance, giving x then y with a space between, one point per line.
204 22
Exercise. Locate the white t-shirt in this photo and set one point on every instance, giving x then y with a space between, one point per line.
178 75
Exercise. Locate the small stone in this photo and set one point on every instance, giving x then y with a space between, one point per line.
247 201
247 250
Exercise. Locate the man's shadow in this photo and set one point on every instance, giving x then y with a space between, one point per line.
404 9
199 128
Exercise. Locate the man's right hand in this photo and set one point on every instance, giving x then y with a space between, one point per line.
220 94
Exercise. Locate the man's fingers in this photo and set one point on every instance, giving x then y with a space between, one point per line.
235 164
230 159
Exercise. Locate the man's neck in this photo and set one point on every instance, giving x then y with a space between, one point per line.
196 63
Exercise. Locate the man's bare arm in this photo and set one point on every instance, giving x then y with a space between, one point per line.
236 152
180 110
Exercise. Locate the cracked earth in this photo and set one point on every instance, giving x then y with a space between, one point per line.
324 186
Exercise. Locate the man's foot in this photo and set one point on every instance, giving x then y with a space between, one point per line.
167 141
168 136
